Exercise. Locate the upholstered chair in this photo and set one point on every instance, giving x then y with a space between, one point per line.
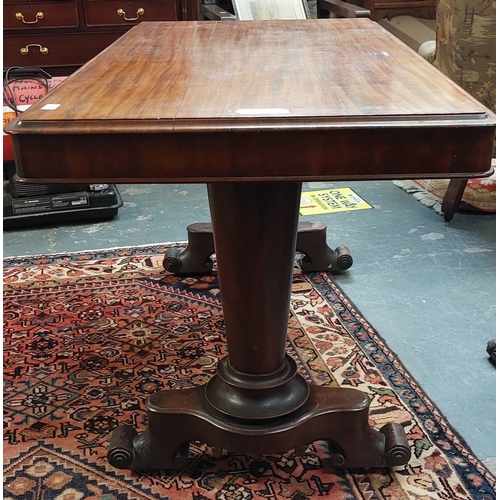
465 52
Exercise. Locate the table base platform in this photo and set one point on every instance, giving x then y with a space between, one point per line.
311 242
337 415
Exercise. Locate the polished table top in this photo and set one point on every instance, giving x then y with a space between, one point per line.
254 100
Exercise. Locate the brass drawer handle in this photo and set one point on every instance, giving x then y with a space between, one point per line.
139 12
43 50
38 16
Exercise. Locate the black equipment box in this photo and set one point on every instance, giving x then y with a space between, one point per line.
28 205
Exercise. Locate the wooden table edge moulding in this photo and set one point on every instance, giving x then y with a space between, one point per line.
253 109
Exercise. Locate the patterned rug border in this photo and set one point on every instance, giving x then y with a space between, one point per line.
374 335
358 327
136 249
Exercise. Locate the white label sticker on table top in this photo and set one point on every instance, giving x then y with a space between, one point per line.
262 111
50 107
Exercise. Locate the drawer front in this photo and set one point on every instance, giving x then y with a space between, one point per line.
119 13
40 15
54 50
402 4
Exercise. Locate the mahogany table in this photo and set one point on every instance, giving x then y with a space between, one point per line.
253 109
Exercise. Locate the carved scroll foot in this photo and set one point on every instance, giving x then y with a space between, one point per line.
318 256
196 258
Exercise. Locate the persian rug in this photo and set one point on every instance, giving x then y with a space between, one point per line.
88 336
479 195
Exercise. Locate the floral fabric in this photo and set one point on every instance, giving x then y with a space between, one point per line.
466 43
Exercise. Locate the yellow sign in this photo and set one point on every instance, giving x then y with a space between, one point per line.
331 200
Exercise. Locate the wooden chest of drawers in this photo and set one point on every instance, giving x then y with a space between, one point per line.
62 35
392 8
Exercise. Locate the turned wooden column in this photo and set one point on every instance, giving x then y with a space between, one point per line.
255 232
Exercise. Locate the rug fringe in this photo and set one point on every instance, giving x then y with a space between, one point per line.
426 198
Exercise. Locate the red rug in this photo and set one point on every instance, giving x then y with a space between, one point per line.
479 196
88 336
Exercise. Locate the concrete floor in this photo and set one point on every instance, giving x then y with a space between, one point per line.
427 286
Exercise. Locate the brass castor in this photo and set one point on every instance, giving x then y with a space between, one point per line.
337 454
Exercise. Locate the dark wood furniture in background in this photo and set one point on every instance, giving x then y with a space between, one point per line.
340 8
253 109
219 10
61 35
392 8
377 9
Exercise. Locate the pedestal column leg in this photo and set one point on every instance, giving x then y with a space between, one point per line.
255 232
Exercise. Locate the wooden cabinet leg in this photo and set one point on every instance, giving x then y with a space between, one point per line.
453 197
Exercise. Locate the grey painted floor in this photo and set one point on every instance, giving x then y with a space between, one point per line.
428 287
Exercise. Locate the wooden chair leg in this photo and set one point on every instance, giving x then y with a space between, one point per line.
453 197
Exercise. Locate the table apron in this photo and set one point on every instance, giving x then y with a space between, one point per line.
241 156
